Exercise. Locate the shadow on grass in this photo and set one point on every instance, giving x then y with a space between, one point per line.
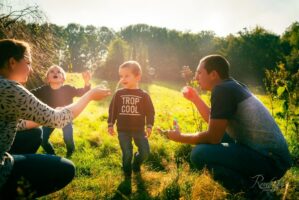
124 190
171 191
141 192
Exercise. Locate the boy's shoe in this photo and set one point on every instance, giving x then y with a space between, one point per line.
124 189
136 168
135 165
127 175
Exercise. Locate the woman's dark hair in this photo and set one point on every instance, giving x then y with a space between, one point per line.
11 48
217 63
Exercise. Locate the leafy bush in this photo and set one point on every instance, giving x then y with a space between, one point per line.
283 88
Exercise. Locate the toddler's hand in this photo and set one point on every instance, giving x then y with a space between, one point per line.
86 77
148 132
111 131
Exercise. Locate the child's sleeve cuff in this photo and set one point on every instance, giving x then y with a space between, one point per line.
149 126
110 124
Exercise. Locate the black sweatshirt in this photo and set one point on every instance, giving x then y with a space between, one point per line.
59 97
132 109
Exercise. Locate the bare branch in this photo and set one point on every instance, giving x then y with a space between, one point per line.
32 12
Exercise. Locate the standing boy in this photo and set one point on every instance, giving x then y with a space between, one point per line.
132 108
56 94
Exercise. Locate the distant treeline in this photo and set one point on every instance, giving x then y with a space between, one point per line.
161 52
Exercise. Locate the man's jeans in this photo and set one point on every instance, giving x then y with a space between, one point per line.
67 137
235 165
125 141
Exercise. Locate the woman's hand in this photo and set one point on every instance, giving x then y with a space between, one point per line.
99 93
95 94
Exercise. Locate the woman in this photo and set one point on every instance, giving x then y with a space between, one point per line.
30 175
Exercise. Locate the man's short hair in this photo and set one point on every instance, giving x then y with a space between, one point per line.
217 63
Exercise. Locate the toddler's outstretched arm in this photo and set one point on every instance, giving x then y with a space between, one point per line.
86 77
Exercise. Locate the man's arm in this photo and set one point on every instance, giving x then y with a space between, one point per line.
213 135
201 106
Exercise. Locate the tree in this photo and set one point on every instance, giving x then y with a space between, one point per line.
290 39
118 52
251 52
13 24
77 43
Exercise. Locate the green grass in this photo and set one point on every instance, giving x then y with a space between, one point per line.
98 156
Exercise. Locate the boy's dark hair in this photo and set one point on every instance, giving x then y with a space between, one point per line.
217 63
134 66
10 48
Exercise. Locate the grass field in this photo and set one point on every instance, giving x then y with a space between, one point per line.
165 175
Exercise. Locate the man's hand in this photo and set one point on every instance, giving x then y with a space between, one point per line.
173 134
190 93
163 132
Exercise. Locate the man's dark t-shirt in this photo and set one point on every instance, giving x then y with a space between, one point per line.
249 121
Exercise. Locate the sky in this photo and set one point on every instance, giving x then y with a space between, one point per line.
221 16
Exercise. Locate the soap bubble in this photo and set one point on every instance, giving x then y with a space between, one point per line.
151 71
104 84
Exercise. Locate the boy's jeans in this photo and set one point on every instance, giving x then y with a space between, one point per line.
67 137
125 141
